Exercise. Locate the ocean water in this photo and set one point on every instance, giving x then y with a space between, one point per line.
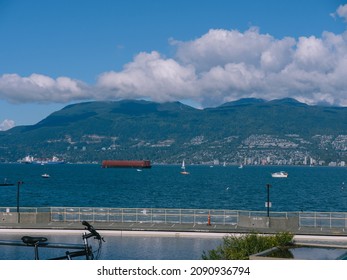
73 185
76 185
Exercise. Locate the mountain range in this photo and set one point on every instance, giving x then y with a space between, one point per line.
253 131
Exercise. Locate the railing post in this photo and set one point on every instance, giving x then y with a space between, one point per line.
330 219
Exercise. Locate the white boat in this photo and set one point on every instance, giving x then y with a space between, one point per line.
280 174
183 167
241 166
53 160
45 175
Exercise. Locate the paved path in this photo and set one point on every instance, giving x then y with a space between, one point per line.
162 227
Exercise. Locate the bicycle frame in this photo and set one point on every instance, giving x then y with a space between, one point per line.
82 249
86 250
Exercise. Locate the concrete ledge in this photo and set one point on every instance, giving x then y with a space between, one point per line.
172 228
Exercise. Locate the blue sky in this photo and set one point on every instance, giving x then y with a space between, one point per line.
203 53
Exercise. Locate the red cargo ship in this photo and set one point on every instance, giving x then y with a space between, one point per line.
126 163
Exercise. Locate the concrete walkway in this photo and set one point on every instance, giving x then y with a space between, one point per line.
162 227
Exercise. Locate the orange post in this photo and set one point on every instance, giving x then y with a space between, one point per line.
209 219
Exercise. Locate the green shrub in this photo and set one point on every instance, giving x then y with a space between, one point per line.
242 246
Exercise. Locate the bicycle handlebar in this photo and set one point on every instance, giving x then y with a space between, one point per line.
92 230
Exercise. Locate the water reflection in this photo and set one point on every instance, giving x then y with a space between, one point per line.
118 247
303 252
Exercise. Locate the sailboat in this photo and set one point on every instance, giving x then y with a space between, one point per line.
183 167
6 183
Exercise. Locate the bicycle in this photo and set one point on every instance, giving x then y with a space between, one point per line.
80 250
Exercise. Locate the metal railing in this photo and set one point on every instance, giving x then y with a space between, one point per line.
180 216
192 216
23 209
323 219
144 215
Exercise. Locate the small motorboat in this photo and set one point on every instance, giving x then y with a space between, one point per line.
280 174
45 175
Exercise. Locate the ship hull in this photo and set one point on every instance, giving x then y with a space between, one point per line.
126 164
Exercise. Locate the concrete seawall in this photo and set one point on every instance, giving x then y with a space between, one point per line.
24 218
27 220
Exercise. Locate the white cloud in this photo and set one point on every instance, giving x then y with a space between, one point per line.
278 55
227 65
6 124
149 75
41 89
313 54
219 47
220 66
342 11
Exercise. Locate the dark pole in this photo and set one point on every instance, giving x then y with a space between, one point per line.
18 185
268 199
